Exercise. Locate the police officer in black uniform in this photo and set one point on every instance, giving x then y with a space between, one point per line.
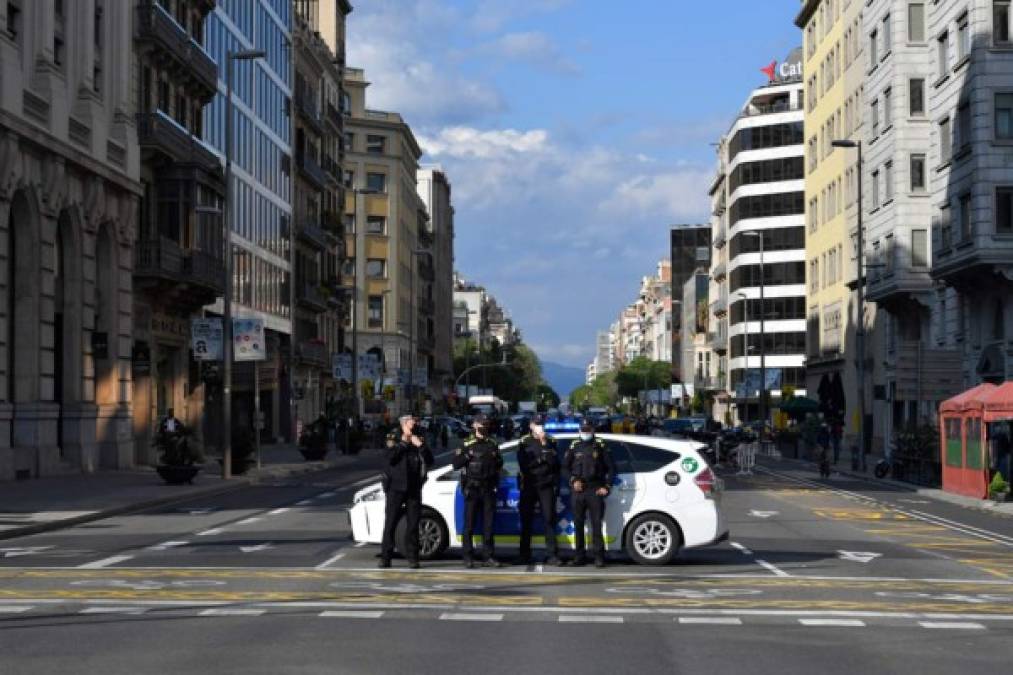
539 483
592 472
481 463
407 460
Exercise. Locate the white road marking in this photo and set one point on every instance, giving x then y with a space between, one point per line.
364 481
325 495
327 563
360 544
350 614
19 551
571 618
776 570
951 625
167 545
305 502
105 562
843 623
465 616
232 611
858 556
257 548
763 514
210 533
711 620
15 609
740 547
249 521
113 610
278 512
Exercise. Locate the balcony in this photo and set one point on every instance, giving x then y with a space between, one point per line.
719 237
969 261
314 353
754 109
719 271
426 306
156 26
718 341
307 107
310 169
313 236
710 383
332 224
334 118
331 167
160 135
203 270
720 306
312 298
184 278
158 259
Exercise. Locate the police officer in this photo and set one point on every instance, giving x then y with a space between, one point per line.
407 460
539 483
592 473
481 462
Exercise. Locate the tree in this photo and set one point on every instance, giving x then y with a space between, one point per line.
642 373
514 372
546 397
601 393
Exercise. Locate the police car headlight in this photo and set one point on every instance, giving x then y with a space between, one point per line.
373 495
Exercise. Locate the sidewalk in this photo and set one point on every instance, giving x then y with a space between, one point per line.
40 505
1005 509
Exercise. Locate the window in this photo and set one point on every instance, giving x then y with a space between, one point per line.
376 145
916 22
57 51
376 225
963 38
875 189
887 35
376 269
376 182
887 101
917 173
374 309
349 140
13 20
349 178
873 49
875 118
348 267
943 49
919 248
965 217
1004 210
1004 117
888 182
646 459
1000 22
916 96
963 126
945 141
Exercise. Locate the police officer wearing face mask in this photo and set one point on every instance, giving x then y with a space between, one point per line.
539 483
407 460
480 462
592 472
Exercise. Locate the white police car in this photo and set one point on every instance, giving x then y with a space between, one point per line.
665 498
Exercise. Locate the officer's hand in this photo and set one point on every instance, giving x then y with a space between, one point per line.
416 441
601 492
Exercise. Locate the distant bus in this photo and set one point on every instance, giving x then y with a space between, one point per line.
488 405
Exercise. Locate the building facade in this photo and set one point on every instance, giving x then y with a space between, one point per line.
835 104
180 250
387 231
690 249
69 197
760 193
435 189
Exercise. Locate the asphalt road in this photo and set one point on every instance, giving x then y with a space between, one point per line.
834 576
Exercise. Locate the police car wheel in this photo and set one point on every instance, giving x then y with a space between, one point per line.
652 539
433 536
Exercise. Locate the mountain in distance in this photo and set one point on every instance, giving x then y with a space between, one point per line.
563 379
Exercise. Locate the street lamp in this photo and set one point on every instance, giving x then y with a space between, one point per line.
859 302
245 55
763 337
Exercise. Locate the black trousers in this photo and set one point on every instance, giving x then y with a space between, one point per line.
475 499
588 503
402 503
545 497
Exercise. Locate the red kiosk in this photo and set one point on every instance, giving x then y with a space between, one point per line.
963 443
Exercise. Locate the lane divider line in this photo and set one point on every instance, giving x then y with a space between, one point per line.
113 610
711 620
232 611
777 571
349 614
571 618
464 616
740 547
167 545
249 521
278 512
839 623
15 609
105 562
951 625
212 532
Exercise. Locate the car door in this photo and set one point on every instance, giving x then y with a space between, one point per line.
622 497
507 522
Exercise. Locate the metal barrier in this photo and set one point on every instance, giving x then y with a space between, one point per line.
746 453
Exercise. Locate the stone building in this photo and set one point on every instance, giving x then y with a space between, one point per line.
69 201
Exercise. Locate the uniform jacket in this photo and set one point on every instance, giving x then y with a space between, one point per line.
539 464
406 466
590 462
478 456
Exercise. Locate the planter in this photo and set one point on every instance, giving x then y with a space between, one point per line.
999 497
313 454
177 474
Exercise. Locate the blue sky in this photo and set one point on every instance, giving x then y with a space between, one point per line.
574 133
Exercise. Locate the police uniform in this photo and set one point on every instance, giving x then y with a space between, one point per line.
480 462
590 463
403 478
539 483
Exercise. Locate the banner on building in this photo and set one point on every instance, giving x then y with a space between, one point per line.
248 340
421 377
341 364
369 367
206 339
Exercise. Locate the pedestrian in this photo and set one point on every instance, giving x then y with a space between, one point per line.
539 483
836 434
481 462
408 459
445 435
592 471
170 424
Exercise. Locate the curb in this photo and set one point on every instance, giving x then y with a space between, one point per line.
234 485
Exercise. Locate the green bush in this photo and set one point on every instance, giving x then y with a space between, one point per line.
998 484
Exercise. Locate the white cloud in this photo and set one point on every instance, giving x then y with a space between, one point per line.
467 142
534 48
679 194
493 15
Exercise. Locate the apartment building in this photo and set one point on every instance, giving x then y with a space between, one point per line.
69 199
435 189
835 103
389 244
690 248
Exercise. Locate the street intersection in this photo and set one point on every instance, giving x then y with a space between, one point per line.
846 572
